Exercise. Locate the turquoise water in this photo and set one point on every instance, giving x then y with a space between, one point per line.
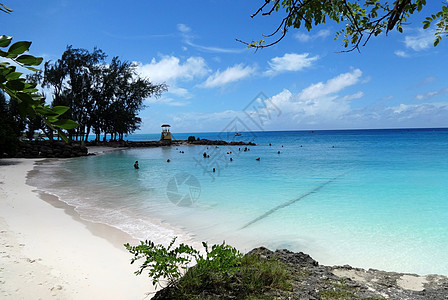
368 198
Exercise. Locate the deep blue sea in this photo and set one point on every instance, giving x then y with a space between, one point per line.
368 198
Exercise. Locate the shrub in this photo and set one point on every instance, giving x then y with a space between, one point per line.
168 262
162 263
222 270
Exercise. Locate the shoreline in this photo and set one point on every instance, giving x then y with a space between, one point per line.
100 228
48 251
29 268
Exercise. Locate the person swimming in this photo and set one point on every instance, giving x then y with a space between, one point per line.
136 165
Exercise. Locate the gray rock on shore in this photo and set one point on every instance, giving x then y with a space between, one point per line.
313 281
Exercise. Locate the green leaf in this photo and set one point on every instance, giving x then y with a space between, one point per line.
65 124
59 110
43 112
29 60
17 85
32 69
30 85
13 75
24 97
3 53
5 40
18 48
62 135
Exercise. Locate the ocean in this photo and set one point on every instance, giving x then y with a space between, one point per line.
367 198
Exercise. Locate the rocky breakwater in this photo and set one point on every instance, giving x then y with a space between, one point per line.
141 144
218 143
50 149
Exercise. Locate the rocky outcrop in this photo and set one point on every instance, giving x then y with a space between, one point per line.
313 281
47 149
309 280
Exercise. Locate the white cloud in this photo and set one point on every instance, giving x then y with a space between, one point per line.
354 96
188 38
182 92
213 49
332 86
420 41
311 107
422 111
385 98
431 94
166 101
319 102
401 53
231 74
183 28
289 62
427 80
308 37
170 68
323 105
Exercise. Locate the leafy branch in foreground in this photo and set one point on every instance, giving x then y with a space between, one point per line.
362 19
25 93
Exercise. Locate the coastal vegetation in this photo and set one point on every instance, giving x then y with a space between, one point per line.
221 272
104 97
88 94
224 273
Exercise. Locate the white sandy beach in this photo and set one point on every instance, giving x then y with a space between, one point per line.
47 252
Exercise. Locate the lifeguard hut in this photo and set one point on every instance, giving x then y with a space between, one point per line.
166 134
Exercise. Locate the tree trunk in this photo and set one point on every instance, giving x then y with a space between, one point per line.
87 134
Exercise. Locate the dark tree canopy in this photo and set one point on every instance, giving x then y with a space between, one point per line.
103 97
10 126
362 19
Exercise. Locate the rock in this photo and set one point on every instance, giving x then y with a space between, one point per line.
47 149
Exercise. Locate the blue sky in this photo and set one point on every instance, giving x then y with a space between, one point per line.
216 83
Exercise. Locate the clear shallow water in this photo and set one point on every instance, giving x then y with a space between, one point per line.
368 198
